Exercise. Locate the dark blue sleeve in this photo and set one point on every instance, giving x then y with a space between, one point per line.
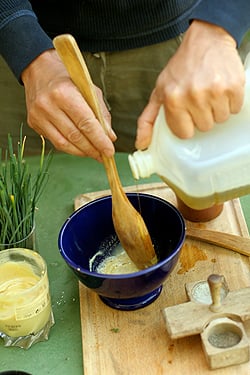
232 15
21 37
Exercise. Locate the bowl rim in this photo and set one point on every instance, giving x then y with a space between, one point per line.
78 268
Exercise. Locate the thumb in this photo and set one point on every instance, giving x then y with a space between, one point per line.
145 125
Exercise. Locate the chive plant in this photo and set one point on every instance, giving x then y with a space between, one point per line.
19 191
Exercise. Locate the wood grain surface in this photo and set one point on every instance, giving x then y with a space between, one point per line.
136 342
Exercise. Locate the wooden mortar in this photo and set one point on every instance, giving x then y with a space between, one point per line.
203 215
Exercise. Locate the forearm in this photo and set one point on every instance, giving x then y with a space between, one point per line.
21 37
231 15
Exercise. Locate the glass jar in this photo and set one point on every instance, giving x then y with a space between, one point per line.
25 306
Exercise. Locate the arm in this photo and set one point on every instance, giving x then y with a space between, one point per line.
203 83
55 107
233 16
57 110
21 37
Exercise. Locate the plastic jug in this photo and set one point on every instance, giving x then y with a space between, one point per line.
210 168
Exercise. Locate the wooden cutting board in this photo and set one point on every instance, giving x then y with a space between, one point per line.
136 342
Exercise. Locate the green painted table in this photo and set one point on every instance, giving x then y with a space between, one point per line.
69 177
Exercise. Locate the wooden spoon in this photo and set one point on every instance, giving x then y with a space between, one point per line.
226 240
129 225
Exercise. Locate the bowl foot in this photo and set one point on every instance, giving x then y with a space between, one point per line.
129 304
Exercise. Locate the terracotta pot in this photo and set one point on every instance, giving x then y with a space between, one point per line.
199 215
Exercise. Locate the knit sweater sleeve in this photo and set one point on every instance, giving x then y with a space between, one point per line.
21 37
233 16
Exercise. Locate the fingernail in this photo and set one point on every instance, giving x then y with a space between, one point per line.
112 134
141 144
137 142
108 153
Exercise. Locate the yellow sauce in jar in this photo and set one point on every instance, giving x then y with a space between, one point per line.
24 299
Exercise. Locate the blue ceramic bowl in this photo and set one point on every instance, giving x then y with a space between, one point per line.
91 226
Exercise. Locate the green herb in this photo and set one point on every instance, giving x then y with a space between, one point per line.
19 191
115 330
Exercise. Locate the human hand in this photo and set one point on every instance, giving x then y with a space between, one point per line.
202 84
57 110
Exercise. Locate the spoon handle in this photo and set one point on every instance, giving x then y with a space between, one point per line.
68 49
226 240
129 224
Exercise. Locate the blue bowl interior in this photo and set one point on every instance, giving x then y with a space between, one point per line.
91 227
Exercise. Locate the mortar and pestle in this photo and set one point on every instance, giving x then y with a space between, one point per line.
219 320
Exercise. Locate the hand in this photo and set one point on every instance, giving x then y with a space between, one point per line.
57 110
202 84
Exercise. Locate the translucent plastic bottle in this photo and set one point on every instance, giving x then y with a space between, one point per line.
210 168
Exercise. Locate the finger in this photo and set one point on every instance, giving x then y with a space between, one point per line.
78 123
221 110
61 143
227 98
187 111
89 128
106 114
111 134
145 125
181 123
202 117
236 99
62 133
